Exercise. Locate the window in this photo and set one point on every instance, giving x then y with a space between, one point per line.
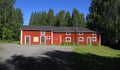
35 39
81 39
68 39
48 37
80 33
94 38
94 33
68 33
42 32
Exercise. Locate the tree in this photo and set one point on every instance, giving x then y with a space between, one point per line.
31 19
103 16
77 18
16 23
67 19
6 7
60 18
43 18
7 34
50 17
10 20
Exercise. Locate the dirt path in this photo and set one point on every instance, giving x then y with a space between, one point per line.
34 57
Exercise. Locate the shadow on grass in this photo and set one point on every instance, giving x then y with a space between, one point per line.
57 60
93 62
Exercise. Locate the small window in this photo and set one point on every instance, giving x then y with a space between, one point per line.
35 39
68 39
94 33
48 37
94 38
68 33
81 39
80 33
42 32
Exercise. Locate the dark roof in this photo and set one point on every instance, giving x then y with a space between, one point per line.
56 29
25 27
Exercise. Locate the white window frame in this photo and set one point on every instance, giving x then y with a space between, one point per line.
93 33
34 39
66 39
47 37
42 32
80 33
68 32
95 39
81 40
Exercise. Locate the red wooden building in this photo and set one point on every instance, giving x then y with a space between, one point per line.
57 35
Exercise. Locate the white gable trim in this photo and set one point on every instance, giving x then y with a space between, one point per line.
21 37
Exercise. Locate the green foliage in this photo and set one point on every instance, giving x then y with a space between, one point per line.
103 17
11 19
77 19
50 17
6 34
68 19
61 18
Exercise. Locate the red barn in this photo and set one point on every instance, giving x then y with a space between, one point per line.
57 35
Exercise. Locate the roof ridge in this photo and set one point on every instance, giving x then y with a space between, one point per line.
56 29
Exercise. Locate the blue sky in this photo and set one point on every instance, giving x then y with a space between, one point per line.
28 6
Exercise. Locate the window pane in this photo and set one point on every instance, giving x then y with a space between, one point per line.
81 39
48 37
80 33
35 39
94 39
68 39
68 33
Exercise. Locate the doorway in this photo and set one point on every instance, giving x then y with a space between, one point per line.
42 39
27 40
88 41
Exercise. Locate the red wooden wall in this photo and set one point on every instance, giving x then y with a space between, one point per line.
58 37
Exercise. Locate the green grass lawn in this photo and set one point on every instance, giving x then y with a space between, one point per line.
94 58
9 41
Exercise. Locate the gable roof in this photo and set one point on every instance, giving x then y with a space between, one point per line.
56 29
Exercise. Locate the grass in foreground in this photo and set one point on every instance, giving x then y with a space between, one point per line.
9 41
95 58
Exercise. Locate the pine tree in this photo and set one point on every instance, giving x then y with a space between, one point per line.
103 16
77 18
68 19
11 20
50 17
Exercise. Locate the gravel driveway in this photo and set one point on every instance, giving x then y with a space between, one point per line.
44 57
